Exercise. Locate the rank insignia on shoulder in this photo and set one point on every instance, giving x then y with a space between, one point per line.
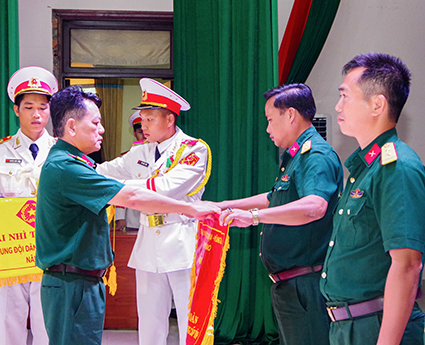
13 160
306 147
84 159
5 139
356 194
389 154
191 159
145 164
285 178
140 142
189 142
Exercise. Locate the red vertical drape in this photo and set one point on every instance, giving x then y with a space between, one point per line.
292 37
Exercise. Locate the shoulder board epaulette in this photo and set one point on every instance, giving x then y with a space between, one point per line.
190 142
140 142
306 147
5 139
388 154
83 159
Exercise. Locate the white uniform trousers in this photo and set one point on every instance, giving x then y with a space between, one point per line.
154 294
15 303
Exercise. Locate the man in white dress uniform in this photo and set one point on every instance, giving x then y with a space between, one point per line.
176 165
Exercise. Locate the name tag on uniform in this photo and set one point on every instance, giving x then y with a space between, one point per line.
145 164
13 160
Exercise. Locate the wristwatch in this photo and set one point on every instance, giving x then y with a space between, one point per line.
255 219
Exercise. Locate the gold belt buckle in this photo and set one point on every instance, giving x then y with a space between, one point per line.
156 219
330 313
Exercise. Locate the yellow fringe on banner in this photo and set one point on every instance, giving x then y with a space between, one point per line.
209 334
21 279
111 281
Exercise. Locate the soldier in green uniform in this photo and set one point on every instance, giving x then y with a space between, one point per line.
373 267
297 215
72 232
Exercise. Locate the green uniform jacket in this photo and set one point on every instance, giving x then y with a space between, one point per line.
309 167
71 221
380 209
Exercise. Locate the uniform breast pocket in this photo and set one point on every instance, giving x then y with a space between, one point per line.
355 223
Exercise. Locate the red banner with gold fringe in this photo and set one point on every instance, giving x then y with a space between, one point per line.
207 271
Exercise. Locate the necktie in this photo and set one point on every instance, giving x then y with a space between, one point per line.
157 154
34 150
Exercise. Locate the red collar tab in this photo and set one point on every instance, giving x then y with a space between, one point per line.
294 149
372 154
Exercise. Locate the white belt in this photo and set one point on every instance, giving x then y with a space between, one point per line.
158 219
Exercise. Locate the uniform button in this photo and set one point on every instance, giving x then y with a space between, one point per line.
341 211
283 169
10 173
259 255
331 243
348 212
352 180
324 275
157 232
138 175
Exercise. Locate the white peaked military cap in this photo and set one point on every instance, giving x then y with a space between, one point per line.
134 118
157 95
32 79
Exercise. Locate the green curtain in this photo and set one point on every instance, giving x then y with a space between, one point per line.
225 58
9 63
320 19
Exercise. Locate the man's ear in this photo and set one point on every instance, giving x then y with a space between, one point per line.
70 126
170 119
292 114
379 104
16 110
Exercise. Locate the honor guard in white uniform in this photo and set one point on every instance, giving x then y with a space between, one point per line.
127 217
21 158
176 165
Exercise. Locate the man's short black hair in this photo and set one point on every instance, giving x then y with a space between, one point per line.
297 96
386 75
70 103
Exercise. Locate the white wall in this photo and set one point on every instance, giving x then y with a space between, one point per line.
394 27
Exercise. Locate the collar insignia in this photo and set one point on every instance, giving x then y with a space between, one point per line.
372 154
294 149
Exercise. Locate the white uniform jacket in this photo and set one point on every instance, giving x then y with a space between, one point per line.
19 172
169 247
